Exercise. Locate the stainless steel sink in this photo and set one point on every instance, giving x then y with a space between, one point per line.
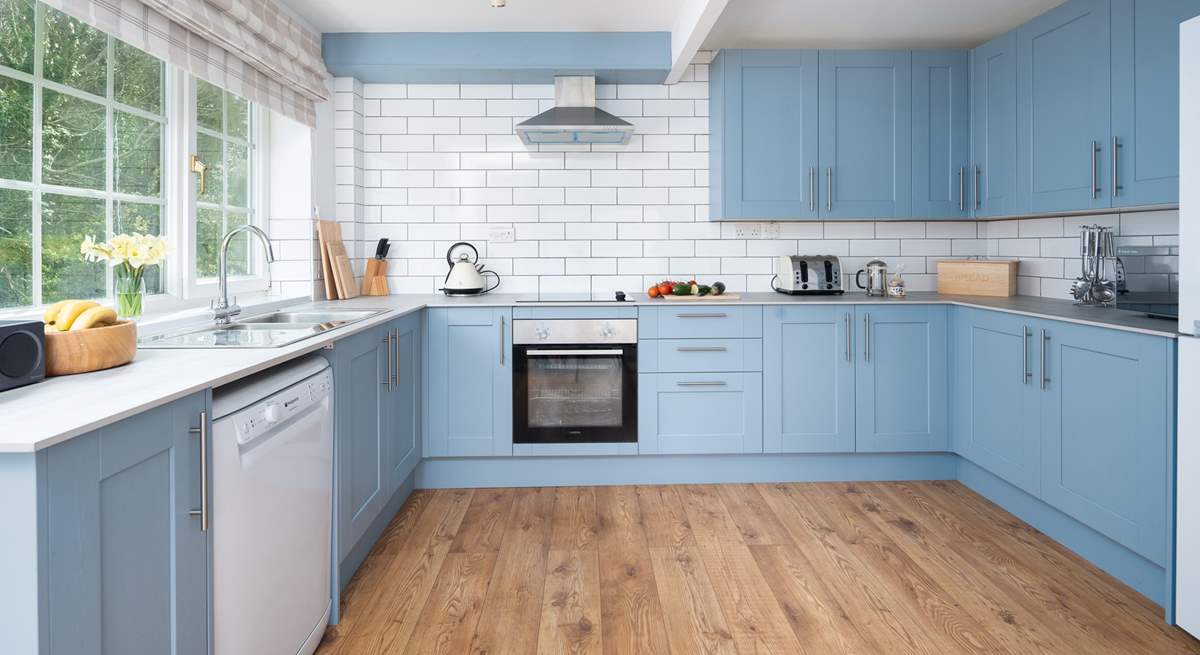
263 331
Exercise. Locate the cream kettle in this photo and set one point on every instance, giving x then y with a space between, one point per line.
465 277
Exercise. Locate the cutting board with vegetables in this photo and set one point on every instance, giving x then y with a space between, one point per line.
709 298
690 290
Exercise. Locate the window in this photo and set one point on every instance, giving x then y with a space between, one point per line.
94 133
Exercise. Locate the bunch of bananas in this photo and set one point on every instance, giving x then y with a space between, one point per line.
76 315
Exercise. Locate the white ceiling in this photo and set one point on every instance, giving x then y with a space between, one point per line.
868 23
480 16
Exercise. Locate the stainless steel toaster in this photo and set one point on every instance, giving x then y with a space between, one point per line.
800 275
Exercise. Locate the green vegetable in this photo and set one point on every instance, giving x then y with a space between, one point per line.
704 290
682 290
718 288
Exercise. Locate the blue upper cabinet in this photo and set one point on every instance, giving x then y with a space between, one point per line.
1145 100
468 392
901 378
941 134
993 175
764 134
865 134
1063 112
808 379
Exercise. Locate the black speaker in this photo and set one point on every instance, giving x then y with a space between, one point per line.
22 353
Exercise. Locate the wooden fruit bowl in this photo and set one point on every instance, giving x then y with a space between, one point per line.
93 349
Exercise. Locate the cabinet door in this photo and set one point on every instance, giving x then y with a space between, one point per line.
403 428
469 382
1145 100
865 134
129 563
1063 112
901 379
808 379
940 134
993 179
764 140
700 413
360 381
996 397
1106 430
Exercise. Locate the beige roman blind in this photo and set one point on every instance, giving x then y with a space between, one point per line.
250 47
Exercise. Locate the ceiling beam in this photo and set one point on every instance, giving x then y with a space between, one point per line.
696 20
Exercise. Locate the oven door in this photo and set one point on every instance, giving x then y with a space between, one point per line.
575 394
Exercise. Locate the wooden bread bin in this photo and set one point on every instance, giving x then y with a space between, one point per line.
92 349
978 277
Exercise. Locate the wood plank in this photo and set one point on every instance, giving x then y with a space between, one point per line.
512 611
448 619
755 618
571 604
574 524
693 616
758 524
664 518
631 617
708 516
483 527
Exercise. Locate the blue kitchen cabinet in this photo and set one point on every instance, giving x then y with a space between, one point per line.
901 378
1063 92
1145 100
865 134
469 382
995 399
993 175
402 403
1106 429
808 379
361 366
128 562
700 413
941 134
763 139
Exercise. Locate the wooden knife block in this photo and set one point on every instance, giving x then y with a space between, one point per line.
375 279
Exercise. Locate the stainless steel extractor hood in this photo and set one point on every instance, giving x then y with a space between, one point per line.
575 118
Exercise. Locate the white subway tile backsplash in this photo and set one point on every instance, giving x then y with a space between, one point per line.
591 196
512 178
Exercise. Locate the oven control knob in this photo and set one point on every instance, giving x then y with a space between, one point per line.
606 331
542 332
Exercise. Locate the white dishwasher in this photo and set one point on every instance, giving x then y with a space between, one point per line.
272 478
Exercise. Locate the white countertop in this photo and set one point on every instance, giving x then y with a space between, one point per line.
50 412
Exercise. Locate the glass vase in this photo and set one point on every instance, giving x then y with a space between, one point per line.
130 291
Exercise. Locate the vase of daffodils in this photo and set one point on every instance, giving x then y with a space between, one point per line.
129 255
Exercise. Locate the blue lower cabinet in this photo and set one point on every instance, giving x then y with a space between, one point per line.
699 413
692 321
995 398
1106 432
361 372
808 379
901 379
697 355
402 403
469 378
129 563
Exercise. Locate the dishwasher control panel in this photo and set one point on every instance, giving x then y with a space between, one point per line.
280 407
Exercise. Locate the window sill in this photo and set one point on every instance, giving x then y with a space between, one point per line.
164 313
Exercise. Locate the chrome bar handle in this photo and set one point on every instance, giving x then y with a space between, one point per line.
502 341
203 511
1095 152
867 337
705 383
702 349
849 338
978 200
391 375
812 189
1025 358
962 189
1042 370
1116 165
702 315
829 189
397 356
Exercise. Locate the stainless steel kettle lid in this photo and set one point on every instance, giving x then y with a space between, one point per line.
450 259
875 263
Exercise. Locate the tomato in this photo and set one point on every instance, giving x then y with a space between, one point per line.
665 288
652 292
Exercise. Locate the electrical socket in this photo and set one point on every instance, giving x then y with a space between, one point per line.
748 231
771 231
502 235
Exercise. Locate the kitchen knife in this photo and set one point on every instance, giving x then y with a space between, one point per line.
381 249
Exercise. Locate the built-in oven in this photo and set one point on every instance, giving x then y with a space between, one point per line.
574 381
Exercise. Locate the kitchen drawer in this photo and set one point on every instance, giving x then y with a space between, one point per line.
699 413
700 320
697 355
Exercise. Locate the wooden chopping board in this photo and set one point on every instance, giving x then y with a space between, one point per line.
344 272
326 230
709 298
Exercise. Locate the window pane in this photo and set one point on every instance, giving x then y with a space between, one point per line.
16 248
66 220
208 106
239 175
141 218
209 150
239 248
137 78
76 54
239 117
16 36
138 149
16 129
208 240
73 137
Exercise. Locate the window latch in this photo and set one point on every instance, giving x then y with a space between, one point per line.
197 165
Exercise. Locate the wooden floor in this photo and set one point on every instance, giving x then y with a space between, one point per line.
921 567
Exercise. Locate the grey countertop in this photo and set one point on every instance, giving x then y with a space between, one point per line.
50 412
